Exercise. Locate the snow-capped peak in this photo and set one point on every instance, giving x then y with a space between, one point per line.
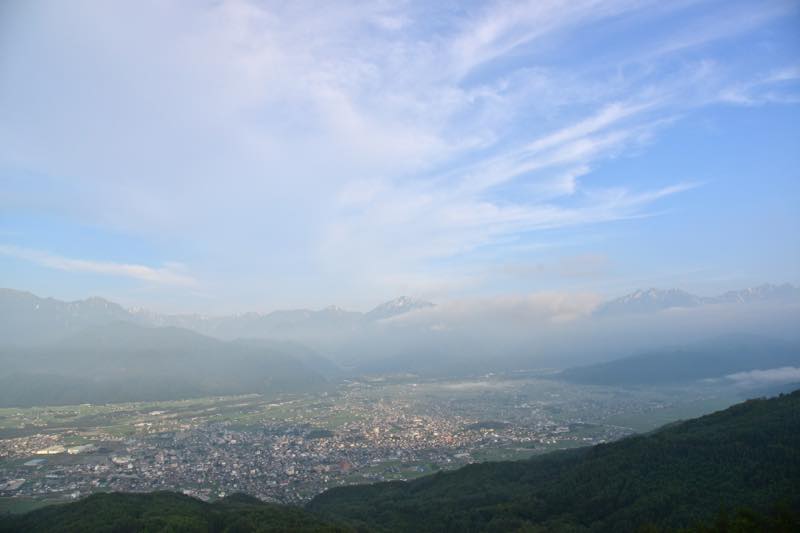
396 307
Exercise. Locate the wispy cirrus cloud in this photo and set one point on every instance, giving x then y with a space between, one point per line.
500 27
778 86
169 274
368 143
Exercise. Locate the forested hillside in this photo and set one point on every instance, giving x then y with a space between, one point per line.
167 511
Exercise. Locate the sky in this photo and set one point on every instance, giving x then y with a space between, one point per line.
232 155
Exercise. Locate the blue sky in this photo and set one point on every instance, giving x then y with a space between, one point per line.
241 155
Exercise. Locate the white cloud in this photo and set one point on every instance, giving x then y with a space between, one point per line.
772 87
503 26
169 274
501 315
364 141
772 376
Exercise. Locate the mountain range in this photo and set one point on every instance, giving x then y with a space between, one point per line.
710 359
95 350
124 361
653 300
29 319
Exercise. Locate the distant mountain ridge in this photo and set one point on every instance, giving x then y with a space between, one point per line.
649 300
96 351
400 336
764 292
123 361
29 319
397 307
711 359
653 300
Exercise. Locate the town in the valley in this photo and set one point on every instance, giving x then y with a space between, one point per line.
290 448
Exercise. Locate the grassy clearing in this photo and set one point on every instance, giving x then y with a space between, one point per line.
652 419
23 505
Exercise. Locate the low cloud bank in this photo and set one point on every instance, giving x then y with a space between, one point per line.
562 329
772 376
504 312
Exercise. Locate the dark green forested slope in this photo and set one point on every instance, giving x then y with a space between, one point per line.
167 512
681 475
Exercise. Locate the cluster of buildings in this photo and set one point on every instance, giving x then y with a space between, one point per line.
291 458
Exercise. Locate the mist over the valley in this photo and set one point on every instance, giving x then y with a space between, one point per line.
95 350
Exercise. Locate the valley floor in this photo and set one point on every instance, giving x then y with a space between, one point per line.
288 449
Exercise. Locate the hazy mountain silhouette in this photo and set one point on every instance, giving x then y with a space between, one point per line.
714 358
29 319
653 300
123 361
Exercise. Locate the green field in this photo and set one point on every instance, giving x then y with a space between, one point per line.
23 505
652 419
125 419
